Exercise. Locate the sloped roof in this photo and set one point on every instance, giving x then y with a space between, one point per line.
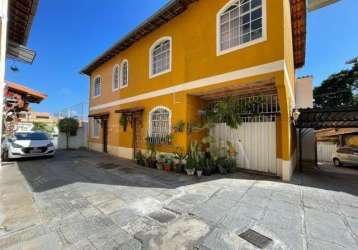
328 118
21 14
175 7
32 95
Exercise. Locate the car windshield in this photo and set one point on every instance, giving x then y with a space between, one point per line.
31 136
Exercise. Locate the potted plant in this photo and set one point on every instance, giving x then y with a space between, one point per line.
193 158
179 160
140 159
168 164
151 158
231 151
200 166
160 162
223 165
179 126
190 166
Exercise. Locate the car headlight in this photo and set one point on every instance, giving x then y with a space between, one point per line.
15 145
50 145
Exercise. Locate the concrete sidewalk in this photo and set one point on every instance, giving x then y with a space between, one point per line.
87 200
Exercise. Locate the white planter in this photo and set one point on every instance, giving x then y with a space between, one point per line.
190 172
199 172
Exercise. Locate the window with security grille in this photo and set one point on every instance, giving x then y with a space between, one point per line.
124 79
161 57
241 23
116 77
95 128
97 86
160 122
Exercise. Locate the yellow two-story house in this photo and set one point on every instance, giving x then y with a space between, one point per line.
194 52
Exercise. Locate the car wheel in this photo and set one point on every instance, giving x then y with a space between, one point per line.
5 155
337 162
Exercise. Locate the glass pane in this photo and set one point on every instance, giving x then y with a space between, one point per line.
255 3
244 8
224 18
256 14
256 34
256 24
245 19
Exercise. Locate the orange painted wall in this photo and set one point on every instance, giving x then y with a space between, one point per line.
194 57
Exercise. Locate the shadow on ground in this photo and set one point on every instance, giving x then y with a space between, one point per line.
69 167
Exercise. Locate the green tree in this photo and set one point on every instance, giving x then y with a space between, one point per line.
339 90
69 126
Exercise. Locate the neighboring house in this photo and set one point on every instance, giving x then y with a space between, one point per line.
28 119
191 53
328 140
17 103
16 17
339 136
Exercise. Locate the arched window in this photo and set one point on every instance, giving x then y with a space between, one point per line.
160 57
159 122
240 23
97 84
124 73
115 77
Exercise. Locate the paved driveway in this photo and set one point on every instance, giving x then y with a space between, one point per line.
86 200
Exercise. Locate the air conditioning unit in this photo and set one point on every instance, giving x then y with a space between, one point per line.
317 4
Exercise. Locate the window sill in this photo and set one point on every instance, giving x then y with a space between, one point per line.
242 46
159 74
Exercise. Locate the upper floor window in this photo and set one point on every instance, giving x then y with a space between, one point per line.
240 24
97 86
124 73
115 77
160 57
159 122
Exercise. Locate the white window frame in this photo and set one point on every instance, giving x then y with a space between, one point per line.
94 86
169 121
160 40
94 121
114 78
220 52
121 74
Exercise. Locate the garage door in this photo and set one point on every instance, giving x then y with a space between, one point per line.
255 142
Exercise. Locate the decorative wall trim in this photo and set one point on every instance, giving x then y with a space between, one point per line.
287 76
234 75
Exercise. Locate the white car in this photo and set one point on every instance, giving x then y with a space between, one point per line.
345 156
27 144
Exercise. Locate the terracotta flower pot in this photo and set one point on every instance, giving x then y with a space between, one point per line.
167 168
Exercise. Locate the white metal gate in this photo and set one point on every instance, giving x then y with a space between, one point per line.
325 151
255 142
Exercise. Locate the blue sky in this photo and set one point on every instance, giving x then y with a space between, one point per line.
68 34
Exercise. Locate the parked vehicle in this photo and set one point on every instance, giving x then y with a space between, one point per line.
27 144
345 156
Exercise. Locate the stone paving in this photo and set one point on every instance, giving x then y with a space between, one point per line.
87 200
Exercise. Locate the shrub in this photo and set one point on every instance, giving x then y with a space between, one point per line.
69 126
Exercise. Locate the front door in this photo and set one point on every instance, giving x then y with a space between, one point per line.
137 135
105 134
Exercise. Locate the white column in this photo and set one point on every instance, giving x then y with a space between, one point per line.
3 41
